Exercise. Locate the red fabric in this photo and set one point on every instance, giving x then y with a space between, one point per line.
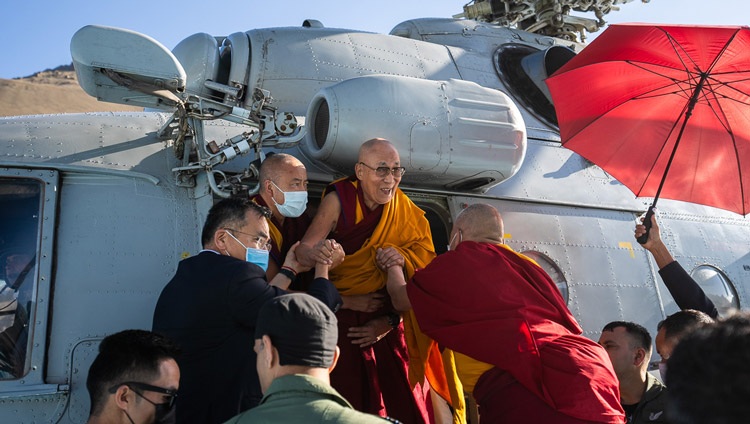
498 307
502 399
621 103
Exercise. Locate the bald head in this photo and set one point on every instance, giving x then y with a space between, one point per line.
277 165
375 145
281 174
480 222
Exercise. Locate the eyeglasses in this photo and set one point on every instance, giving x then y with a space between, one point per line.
263 242
148 388
382 171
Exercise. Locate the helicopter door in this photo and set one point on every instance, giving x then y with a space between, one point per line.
27 210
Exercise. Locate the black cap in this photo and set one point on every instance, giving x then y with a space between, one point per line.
302 328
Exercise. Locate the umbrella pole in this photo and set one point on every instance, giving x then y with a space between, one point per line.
688 113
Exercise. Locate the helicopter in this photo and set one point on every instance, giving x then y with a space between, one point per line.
99 208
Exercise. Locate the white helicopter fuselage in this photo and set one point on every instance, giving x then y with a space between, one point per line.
114 208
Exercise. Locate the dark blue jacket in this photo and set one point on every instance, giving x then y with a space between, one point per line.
210 308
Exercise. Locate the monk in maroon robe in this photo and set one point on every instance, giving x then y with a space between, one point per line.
365 213
519 349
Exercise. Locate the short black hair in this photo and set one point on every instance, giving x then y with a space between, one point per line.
708 374
639 332
130 355
682 322
230 213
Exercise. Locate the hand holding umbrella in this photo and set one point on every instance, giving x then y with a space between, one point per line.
644 101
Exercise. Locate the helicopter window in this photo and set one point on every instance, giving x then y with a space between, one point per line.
20 204
436 216
717 287
523 69
225 62
552 270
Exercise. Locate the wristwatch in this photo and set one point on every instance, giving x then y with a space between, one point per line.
394 319
287 273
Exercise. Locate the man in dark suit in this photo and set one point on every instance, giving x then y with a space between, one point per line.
211 305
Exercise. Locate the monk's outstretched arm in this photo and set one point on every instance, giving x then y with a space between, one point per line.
392 262
397 289
312 248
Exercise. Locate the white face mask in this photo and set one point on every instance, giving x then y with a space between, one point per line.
295 202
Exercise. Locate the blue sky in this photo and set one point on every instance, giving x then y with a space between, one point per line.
35 34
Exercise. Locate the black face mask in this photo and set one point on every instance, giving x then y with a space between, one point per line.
164 412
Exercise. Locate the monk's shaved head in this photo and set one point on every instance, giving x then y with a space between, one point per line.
277 164
480 222
374 144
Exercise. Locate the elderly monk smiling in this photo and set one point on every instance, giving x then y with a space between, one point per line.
367 214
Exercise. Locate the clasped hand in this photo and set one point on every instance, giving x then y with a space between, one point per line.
388 257
327 251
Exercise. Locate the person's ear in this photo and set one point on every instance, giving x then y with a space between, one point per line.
270 356
358 170
122 397
268 187
221 240
640 356
336 354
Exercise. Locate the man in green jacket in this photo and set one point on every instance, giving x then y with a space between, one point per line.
295 342
642 396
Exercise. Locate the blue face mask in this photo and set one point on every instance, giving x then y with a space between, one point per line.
254 256
257 256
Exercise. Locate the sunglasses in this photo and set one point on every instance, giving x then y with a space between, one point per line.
135 386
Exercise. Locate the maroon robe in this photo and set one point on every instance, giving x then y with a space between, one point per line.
498 307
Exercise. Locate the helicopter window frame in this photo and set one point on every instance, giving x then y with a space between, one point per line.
507 63
36 191
718 287
553 270
439 218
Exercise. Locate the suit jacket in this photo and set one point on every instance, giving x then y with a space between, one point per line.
210 308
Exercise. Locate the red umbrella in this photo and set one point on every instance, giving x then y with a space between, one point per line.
665 109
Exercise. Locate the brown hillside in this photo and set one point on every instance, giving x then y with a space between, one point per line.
50 92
